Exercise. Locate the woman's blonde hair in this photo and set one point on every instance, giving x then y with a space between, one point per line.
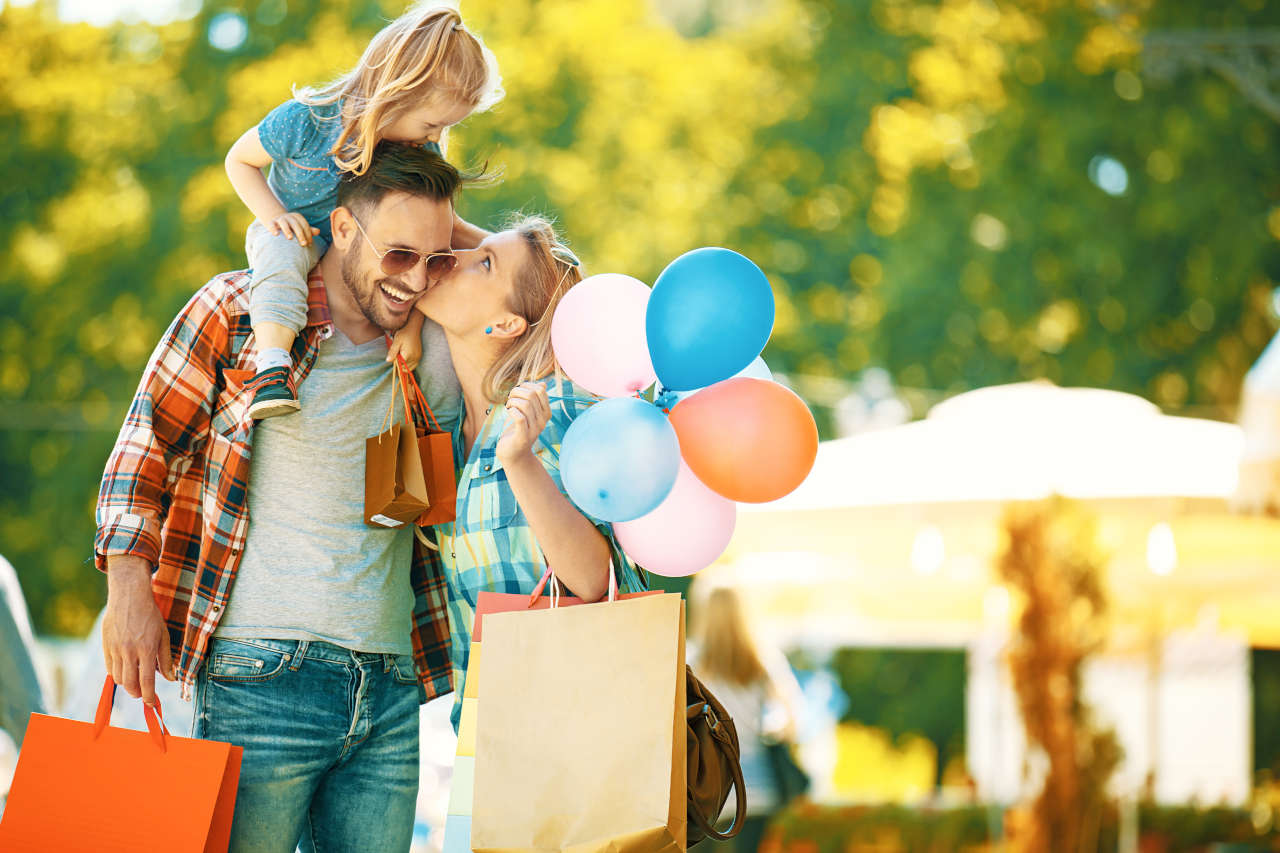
540 283
427 51
728 651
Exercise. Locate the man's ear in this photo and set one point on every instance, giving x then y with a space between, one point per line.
510 327
343 226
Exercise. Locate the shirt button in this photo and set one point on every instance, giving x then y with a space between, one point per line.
487 467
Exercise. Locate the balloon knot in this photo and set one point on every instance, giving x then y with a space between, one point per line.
666 400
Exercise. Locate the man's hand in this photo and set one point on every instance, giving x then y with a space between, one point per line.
135 642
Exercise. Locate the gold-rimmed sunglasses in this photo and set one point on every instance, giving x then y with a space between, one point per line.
400 261
571 262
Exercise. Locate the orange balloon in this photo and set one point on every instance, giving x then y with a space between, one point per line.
747 439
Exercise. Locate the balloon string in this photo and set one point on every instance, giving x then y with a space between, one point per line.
573 397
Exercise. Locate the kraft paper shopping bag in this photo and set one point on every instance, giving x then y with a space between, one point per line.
580 731
395 487
435 447
457 835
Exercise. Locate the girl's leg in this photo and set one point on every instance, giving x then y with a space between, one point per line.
278 312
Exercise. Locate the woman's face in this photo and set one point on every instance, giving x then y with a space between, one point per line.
477 293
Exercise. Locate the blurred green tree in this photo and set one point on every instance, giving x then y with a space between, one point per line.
907 691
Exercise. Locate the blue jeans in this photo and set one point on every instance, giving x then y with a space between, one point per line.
330 741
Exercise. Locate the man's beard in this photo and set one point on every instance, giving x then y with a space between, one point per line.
363 288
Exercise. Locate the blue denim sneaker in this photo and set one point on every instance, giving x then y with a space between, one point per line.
273 394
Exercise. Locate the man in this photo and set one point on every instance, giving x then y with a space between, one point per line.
307 637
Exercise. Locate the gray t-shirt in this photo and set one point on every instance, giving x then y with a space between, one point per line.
311 568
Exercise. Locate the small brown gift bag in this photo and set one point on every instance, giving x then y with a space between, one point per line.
435 446
395 489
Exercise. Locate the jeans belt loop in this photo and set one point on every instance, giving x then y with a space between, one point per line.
299 655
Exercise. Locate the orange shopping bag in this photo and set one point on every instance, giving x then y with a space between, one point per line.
81 786
435 446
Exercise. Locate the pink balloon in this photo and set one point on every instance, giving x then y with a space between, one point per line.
598 335
685 534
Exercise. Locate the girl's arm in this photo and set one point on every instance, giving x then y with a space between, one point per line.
466 235
245 162
407 343
578 551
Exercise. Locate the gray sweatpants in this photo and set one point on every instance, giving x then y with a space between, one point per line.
278 289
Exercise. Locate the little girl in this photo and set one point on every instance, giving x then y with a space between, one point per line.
421 74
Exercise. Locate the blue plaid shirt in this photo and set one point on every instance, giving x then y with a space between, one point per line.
491 548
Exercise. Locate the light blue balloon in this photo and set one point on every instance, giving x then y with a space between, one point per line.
619 459
710 313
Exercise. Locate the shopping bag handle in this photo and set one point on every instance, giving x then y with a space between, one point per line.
389 418
409 381
153 716
550 575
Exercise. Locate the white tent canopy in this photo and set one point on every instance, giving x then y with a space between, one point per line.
1023 442
894 533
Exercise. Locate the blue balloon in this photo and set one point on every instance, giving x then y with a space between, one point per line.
710 313
619 459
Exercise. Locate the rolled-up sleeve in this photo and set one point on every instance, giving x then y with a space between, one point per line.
166 426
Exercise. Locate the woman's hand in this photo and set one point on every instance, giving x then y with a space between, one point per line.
528 411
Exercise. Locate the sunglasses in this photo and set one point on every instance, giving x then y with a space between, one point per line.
571 262
400 261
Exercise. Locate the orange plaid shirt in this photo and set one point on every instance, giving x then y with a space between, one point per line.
175 487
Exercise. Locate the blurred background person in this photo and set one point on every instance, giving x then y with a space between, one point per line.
755 684
21 693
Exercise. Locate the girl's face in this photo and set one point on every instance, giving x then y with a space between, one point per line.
477 293
427 121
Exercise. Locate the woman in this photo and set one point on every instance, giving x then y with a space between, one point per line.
513 517
760 698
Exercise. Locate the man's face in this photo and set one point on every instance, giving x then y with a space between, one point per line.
400 221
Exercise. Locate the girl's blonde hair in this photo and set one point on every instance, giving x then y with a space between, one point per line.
427 51
540 283
728 651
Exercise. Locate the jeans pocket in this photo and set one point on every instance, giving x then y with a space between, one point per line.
233 660
404 671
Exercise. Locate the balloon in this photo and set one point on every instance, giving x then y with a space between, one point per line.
710 313
755 370
619 459
747 439
598 336
687 531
